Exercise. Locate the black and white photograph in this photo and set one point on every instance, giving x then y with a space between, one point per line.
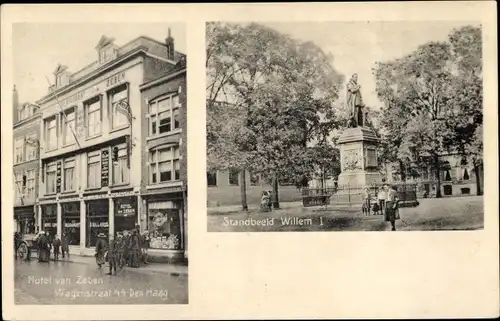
100 163
344 126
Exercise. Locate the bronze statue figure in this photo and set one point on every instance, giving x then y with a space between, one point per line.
355 103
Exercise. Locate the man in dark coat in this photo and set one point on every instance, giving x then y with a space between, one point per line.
126 246
145 246
112 256
43 248
120 250
56 243
100 249
134 249
64 245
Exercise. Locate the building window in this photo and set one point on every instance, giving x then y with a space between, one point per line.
164 115
93 117
97 220
18 150
94 171
69 175
70 213
118 97
31 147
51 133
234 177
164 165
51 178
164 225
22 113
120 168
447 176
212 178
69 126
30 183
19 184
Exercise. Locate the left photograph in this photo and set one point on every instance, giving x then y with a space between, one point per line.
100 163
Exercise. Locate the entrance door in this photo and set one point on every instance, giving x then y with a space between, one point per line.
123 223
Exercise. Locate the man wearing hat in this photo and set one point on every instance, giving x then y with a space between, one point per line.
100 249
43 247
144 246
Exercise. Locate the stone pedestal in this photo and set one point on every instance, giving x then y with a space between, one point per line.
358 154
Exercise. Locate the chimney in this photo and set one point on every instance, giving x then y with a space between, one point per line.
169 42
15 105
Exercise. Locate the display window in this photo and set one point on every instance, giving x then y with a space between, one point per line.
164 225
71 222
97 221
49 219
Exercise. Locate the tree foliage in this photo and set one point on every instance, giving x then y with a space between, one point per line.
433 101
277 96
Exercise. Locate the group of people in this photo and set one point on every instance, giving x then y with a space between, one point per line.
385 203
47 243
127 248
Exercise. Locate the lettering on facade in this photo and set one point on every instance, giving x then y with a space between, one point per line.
98 224
50 224
125 206
105 167
58 177
116 79
72 224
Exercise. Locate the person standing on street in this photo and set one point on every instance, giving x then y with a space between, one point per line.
120 250
126 246
64 245
366 201
382 195
43 248
134 249
56 243
112 256
100 249
145 246
392 208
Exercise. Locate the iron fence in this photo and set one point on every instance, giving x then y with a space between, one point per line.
347 194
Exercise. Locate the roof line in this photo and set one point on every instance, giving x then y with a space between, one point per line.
162 79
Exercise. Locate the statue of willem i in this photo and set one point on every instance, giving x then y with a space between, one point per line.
355 103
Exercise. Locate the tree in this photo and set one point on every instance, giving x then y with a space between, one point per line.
282 92
433 101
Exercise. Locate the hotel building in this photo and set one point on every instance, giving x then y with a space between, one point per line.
94 145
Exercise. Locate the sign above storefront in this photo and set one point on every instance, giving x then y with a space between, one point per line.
125 206
58 177
105 167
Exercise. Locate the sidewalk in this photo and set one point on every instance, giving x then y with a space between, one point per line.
163 268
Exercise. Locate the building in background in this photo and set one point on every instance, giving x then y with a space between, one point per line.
26 135
164 169
92 143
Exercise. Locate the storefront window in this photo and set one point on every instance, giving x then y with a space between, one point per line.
71 222
49 219
125 214
97 220
164 225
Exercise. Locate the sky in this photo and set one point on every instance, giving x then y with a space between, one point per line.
38 48
356 46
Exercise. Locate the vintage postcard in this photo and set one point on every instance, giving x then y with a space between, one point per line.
99 136
345 126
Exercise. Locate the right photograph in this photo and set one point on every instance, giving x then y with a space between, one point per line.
344 126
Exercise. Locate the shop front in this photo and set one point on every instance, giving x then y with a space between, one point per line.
165 224
24 218
71 222
49 219
97 220
125 213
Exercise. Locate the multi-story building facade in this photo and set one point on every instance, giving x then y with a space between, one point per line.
92 142
456 177
164 166
26 136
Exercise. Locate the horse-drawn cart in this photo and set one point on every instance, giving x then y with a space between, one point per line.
24 245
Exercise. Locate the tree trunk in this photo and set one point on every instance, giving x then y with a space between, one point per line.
243 189
276 203
437 168
478 178
402 170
